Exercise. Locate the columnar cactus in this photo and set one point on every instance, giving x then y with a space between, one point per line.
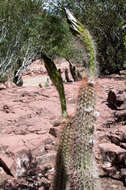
75 167
87 39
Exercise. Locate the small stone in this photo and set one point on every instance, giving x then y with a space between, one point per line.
6 108
123 172
49 157
49 147
56 123
41 188
112 153
2 86
114 139
123 145
48 141
54 132
112 100
107 164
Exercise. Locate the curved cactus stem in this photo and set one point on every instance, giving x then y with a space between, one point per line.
75 166
80 30
56 78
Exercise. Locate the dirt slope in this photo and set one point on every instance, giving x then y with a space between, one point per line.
30 120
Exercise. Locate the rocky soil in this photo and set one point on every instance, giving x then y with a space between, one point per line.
30 124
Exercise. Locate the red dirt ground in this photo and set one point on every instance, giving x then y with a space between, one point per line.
30 119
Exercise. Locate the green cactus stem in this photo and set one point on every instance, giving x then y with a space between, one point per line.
79 29
75 166
55 76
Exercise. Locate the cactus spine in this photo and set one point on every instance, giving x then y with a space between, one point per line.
75 166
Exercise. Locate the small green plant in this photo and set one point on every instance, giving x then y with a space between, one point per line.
47 83
3 79
40 85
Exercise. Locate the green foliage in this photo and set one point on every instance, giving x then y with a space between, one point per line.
3 79
26 30
15 17
105 20
51 35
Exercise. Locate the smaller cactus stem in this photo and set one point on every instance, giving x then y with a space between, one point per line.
90 48
79 29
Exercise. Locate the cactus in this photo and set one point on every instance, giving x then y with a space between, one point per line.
75 165
80 30
55 76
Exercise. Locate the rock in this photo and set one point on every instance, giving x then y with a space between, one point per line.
115 101
9 84
123 145
118 136
112 153
41 188
112 100
49 147
113 158
54 132
114 139
23 161
2 86
123 175
121 95
109 171
56 123
47 158
120 117
6 109
123 172
36 110
49 140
